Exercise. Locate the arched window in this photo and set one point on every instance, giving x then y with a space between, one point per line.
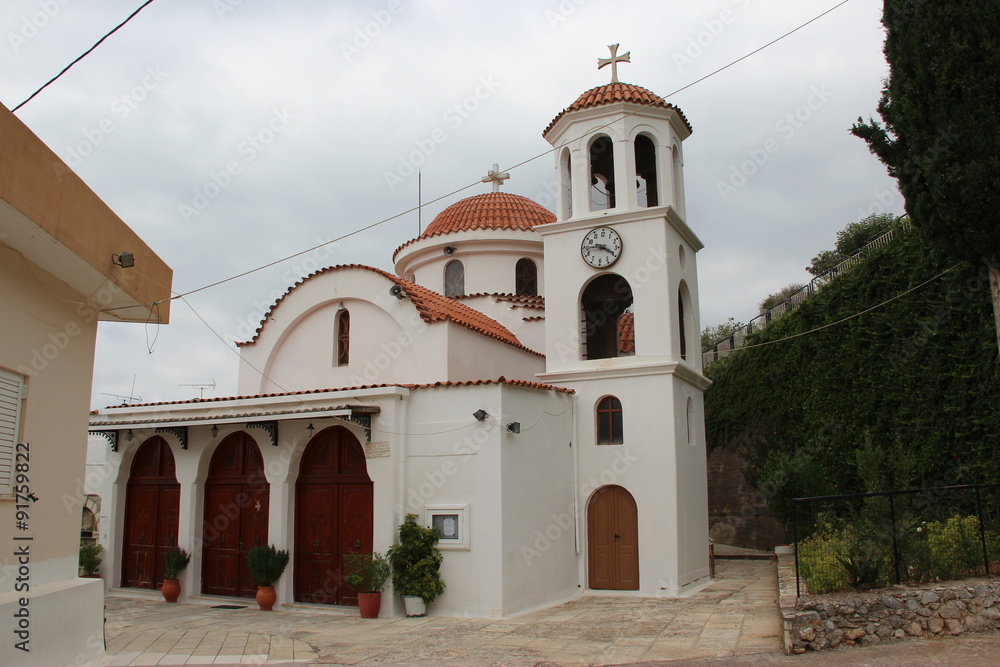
646 182
526 278
609 421
682 326
567 177
602 174
454 279
343 338
603 304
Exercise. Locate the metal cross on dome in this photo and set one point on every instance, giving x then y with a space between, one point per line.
613 61
495 176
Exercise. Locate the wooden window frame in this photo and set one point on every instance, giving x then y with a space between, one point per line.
606 409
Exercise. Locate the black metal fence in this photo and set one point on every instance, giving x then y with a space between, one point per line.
869 540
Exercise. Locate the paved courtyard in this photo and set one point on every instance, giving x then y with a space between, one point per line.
736 616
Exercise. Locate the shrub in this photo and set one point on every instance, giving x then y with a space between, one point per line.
174 562
266 564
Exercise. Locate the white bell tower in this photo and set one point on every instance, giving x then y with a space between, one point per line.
622 330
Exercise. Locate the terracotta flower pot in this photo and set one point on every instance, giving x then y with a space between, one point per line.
370 604
266 597
171 589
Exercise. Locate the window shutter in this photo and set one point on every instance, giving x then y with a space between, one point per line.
11 388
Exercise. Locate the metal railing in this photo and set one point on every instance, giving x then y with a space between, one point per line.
721 348
869 540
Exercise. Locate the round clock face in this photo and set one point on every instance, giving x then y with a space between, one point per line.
601 247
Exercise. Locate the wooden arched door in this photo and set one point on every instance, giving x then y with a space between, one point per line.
333 516
152 511
236 504
613 540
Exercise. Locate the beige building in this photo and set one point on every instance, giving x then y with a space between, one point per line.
64 266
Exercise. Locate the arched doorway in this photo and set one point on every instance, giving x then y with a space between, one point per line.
333 516
236 502
613 540
152 510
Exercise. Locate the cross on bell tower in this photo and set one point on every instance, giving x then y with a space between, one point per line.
496 177
613 61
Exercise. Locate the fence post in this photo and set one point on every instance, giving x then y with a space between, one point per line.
982 531
795 543
895 545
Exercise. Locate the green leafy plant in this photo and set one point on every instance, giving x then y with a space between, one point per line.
174 562
91 557
267 564
367 573
416 561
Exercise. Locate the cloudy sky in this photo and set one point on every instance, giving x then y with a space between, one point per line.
232 133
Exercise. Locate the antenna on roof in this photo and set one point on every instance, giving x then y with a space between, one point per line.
131 398
201 385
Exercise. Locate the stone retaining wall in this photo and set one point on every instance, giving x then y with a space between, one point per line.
826 621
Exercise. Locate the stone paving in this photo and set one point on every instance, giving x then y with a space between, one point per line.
737 615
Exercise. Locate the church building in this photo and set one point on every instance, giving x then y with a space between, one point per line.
528 382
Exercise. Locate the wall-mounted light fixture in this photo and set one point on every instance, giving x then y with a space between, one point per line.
215 430
397 291
128 435
449 250
479 414
514 427
126 260
310 428
341 307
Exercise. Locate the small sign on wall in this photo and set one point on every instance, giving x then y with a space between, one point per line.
451 523
376 450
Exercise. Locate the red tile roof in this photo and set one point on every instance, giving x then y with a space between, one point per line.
433 307
626 333
612 93
536 302
456 383
493 210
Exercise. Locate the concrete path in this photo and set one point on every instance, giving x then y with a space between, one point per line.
736 616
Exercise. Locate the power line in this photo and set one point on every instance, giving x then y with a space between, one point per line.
83 55
420 206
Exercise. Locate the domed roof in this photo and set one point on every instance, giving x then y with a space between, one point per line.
493 210
611 93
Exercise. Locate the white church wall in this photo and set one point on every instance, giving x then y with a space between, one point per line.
539 537
453 459
531 333
472 356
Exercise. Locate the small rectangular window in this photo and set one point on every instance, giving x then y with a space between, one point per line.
11 391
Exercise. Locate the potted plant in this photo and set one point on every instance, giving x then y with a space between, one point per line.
367 574
174 562
416 566
266 566
90 559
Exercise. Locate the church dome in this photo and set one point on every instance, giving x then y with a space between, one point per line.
493 210
612 93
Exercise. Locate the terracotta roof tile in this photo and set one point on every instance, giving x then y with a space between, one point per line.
493 210
626 333
612 93
536 302
433 307
450 383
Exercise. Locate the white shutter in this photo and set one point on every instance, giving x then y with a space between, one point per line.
11 388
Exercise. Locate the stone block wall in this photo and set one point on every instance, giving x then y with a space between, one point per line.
827 621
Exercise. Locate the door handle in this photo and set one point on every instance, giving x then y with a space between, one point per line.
357 544
617 536
142 536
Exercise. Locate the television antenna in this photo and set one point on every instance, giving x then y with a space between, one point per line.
131 398
201 386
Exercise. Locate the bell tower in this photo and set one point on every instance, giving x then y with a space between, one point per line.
622 330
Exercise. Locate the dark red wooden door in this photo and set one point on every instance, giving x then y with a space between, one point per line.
613 540
236 504
152 511
333 516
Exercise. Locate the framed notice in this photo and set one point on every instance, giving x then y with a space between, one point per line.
451 523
